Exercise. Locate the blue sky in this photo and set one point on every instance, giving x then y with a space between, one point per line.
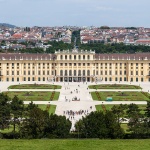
76 12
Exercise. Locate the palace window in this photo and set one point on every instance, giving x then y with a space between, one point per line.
110 73
141 79
61 72
70 72
83 72
79 57
79 72
141 72
66 57
61 57
65 72
83 56
70 57
75 73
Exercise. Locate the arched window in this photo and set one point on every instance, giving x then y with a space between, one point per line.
70 57
65 72
75 73
61 72
79 57
61 57
74 57
70 72
88 72
83 56
65 57
83 72
79 73
88 57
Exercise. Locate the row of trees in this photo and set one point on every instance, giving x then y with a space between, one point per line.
30 121
97 47
108 124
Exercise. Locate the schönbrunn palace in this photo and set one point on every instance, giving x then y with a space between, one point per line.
75 66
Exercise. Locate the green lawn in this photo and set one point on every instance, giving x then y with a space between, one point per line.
114 86
108 107
121 96
90 144
50 109
33 96
34 86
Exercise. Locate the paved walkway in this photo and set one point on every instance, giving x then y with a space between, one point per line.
66 106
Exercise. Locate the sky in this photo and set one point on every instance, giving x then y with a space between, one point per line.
113 13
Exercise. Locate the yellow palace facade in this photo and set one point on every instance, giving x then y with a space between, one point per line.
75 66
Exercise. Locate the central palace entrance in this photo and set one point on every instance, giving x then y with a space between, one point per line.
75 79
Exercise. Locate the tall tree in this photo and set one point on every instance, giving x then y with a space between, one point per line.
34 124
99 125
4 111
119 111
147 111
17 108
57 127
